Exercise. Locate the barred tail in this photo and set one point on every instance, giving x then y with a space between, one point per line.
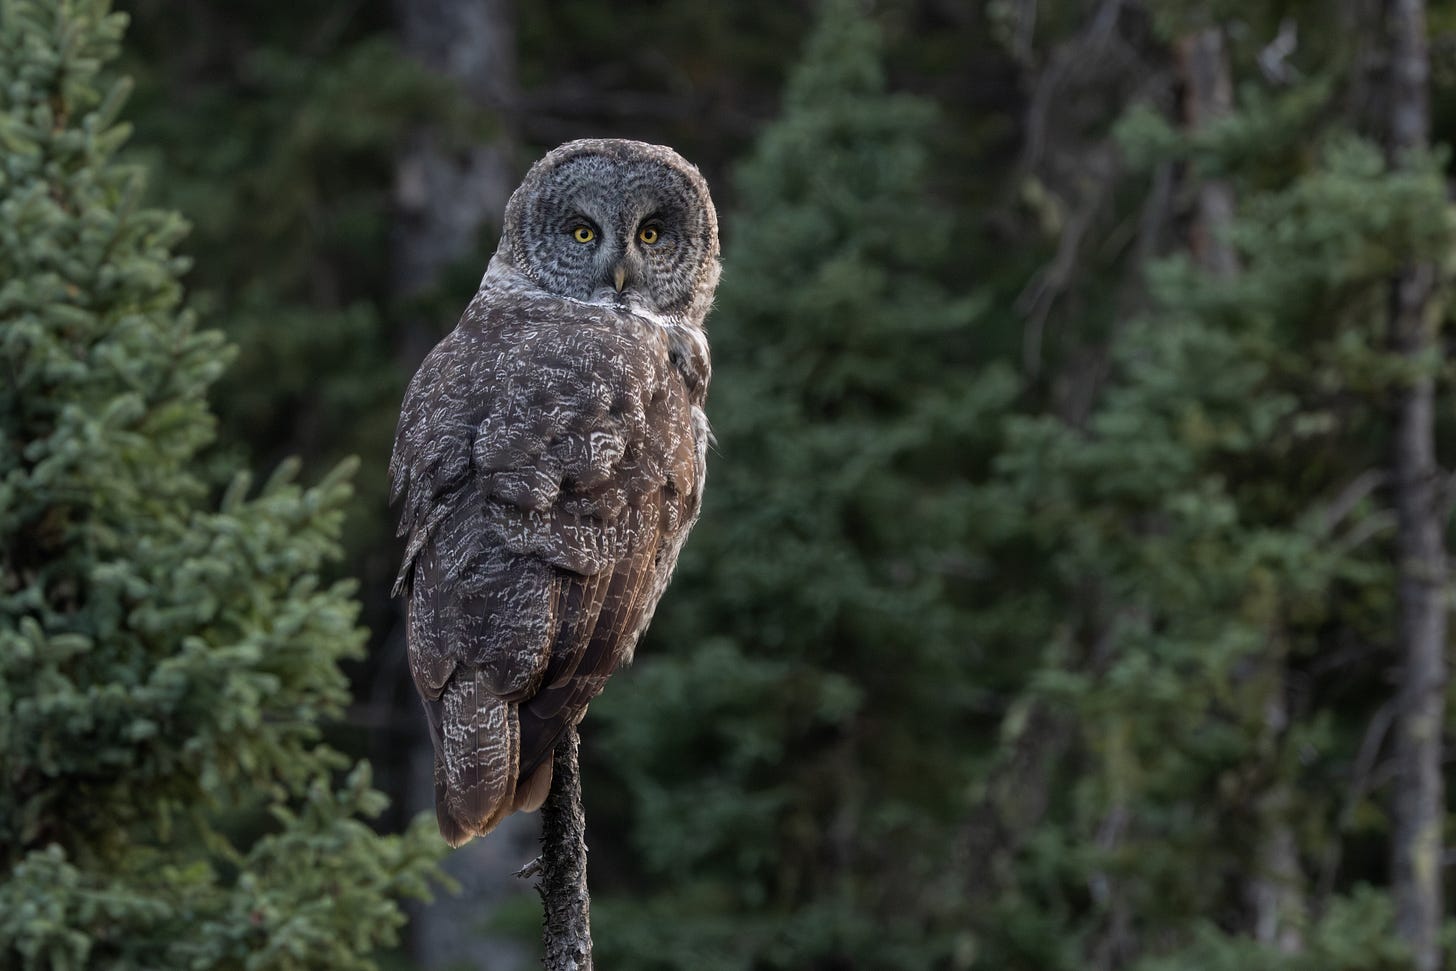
479 755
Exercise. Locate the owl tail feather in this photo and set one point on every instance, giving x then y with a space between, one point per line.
532 791
475 774
454 834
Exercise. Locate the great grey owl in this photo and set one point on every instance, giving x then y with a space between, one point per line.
550 454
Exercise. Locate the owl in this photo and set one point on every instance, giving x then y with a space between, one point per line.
550 458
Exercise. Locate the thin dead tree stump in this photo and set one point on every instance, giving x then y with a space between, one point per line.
566 929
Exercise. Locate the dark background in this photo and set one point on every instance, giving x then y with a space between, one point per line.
1042 611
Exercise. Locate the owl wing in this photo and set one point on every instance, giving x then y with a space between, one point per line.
548 476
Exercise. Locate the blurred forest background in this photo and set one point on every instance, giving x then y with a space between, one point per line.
1070 591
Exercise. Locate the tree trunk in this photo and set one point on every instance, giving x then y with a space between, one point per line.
445 200
566 929
1208 96
1420 808
1274 889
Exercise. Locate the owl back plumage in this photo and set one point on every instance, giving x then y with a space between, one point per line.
550 459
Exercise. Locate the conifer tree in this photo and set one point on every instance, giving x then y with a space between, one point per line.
1217 526
790 812
166 657
1178 603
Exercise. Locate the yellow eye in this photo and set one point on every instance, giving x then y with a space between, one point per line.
648 234
583 234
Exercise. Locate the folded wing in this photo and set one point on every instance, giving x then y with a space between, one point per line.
548 476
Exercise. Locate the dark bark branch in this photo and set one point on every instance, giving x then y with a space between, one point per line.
1274 57
566 931
1420 800
1420 807
1275 885
1068 156
1018 790
1350 496
1208 97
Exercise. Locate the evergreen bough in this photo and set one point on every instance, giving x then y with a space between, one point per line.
790 812
166 657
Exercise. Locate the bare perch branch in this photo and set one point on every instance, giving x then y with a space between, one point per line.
1350 496
566 930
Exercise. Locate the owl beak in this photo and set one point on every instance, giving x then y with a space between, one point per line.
619 276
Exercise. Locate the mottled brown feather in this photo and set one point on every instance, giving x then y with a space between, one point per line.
548 463
531 568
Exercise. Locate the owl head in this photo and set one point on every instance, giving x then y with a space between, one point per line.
616 222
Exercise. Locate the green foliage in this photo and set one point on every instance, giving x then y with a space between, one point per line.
779 792
964 667
955 675
1357 933
162 658
1196 529
281 150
